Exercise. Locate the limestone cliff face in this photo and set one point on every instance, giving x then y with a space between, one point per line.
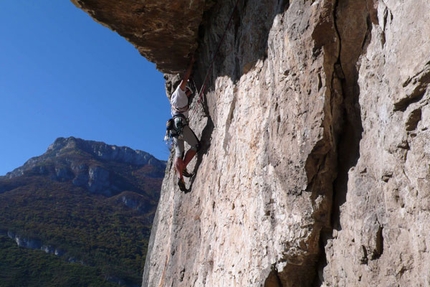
164 31
314 168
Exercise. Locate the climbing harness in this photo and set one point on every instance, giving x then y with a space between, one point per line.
182 109
175 127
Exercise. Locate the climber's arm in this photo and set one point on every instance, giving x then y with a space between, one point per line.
187 74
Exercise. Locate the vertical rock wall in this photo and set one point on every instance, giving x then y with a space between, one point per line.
381 237
314 167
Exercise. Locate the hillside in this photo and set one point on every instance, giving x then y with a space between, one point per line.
89 203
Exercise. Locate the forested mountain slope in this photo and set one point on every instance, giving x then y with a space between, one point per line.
86 203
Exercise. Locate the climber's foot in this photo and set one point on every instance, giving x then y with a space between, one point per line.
181 184
186 173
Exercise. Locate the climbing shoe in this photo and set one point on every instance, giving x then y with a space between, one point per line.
186 173
181 184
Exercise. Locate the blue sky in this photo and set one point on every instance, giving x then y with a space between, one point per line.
62 74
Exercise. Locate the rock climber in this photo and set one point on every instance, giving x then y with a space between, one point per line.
180 104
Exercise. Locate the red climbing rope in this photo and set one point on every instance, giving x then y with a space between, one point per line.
216 52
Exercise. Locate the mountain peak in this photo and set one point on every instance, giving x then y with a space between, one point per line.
98 149
83 198
96 166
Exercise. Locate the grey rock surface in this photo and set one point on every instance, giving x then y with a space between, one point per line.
314 167
164 31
